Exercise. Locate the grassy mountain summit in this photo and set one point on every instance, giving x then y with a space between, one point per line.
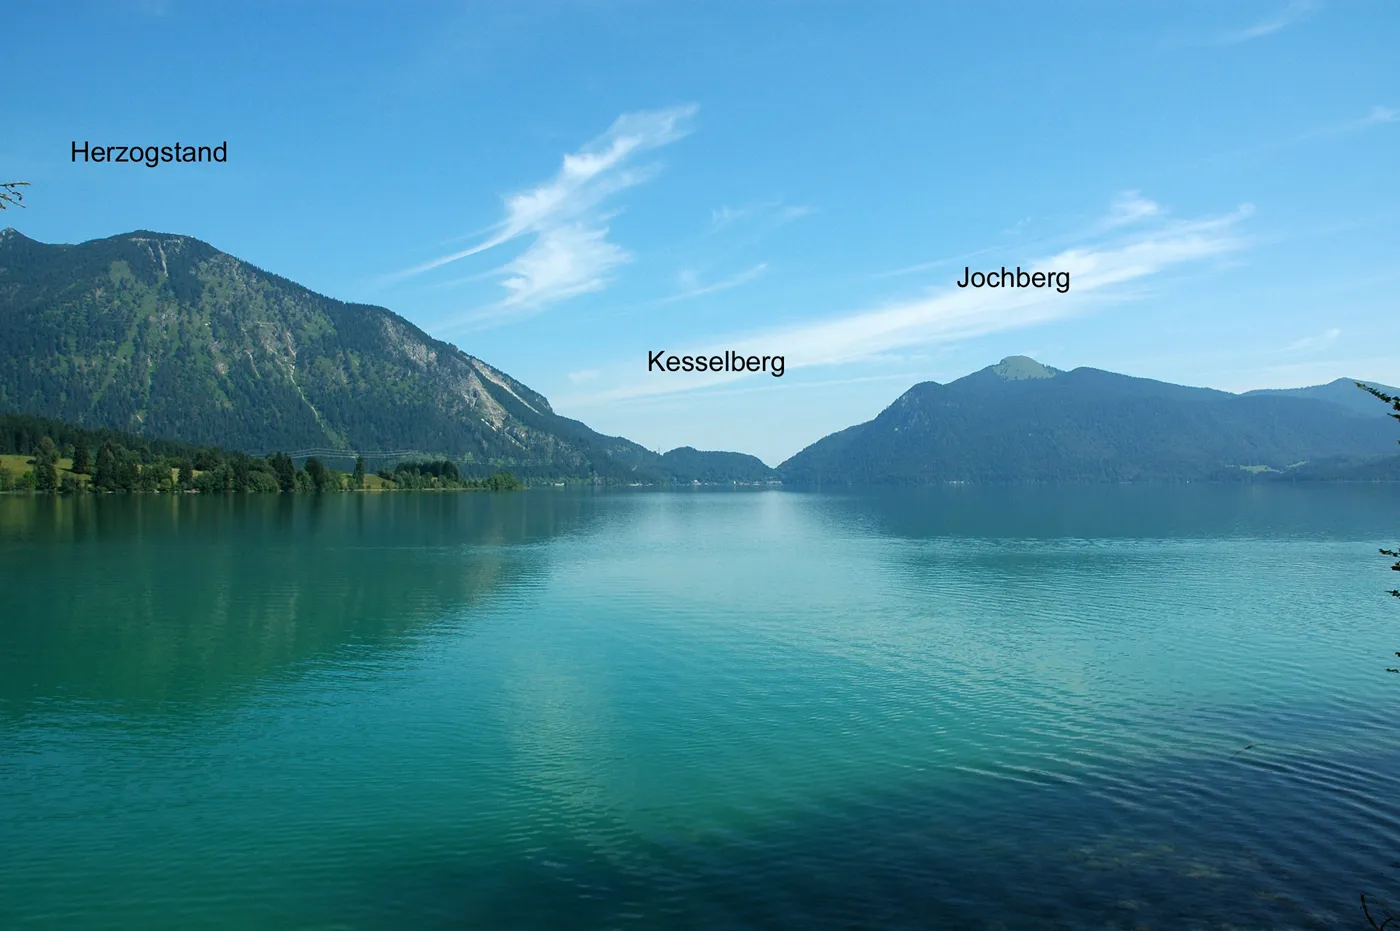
165 336
1018 368
1020 421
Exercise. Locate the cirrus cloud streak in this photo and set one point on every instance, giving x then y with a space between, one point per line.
568 252
1098 274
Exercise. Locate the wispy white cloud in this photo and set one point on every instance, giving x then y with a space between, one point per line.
1098 274
724 214
570 253
1376 116
690 283
580 377
769 384
1314 343
795 212
1127 208
1292 12
563 261
935 263
1380 115
1131 207
772 210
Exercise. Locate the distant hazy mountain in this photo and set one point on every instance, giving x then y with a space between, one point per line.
1021 421
166 336
1343 392
705 466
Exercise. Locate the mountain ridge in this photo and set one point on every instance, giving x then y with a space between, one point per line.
1340 391
1020 421
165 335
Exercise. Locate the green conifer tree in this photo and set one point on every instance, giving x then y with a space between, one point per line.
128 473
106 475
286 471
46 466
81 463
45 476
316 470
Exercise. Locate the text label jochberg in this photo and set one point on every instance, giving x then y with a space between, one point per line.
1017 279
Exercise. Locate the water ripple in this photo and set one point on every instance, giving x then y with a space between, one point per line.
691 710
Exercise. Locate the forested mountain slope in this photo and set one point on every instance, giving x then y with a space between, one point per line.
1341 391
165 336
1021 421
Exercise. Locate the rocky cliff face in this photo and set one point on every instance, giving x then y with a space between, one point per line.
166 336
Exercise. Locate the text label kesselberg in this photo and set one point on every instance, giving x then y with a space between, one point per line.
729 361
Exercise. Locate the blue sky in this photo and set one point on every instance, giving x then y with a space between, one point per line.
560 188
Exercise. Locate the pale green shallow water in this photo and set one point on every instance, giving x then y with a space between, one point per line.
945 708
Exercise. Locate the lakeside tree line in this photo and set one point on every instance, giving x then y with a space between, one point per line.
111 461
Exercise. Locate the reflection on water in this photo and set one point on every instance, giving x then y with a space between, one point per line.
1122 511
908 709
138 598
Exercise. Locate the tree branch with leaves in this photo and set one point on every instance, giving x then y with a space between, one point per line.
11 195
1394 554
1387 919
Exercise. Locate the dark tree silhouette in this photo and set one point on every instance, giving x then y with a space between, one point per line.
320 475
1394 554
82 462
1386 919
106 475
1393 402
46 465
286 471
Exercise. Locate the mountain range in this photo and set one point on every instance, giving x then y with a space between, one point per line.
1341 391
166 336
1021 421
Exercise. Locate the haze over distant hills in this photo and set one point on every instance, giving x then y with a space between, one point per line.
1342 391
166 336
1020 421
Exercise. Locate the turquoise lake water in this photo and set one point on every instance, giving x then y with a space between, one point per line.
966 708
